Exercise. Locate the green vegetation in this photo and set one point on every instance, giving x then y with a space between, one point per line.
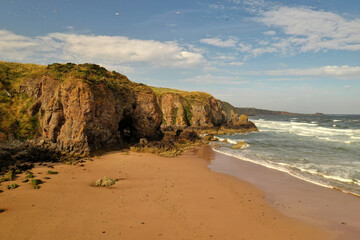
52 172
176 109
9 176
29 175
14 117
188 114
188 96
12 186
36 182
90 73
105 182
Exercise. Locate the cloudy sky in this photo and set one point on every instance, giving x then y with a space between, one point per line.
291 55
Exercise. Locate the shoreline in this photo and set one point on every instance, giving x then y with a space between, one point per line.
287 172
155 198
295 197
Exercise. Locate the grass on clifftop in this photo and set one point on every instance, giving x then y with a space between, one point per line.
189 96
14 117
90 73
13 104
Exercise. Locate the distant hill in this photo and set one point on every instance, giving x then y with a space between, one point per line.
255 111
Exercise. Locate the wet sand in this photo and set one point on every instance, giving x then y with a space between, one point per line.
155 198
324 207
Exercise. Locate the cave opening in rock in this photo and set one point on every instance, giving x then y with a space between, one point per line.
126 129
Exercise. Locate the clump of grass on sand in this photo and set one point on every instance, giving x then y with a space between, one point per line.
52 172
9 176
105 182
35 182
29 175
12 186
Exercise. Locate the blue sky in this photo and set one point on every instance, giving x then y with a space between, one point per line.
299 56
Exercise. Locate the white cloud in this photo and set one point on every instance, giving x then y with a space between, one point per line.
299 30
311 30
236 63
211 79
340 72
15 45
270 33
254 52
95 48
216 6
243 47
218 42
223 57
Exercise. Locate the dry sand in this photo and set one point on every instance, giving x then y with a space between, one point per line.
155 198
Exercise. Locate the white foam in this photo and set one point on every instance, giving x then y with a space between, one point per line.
267 165
308 130
244 146
228 140
340 179
337 120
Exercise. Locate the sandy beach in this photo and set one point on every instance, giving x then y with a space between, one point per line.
318 205
155 198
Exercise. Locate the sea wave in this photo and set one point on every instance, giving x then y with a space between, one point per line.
309 130
231 141
234 142
308 175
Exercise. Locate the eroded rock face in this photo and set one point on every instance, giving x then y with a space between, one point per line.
80 117
172 106
147 115
200 111
181 112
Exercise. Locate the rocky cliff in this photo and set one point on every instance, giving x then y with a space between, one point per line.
198 110
78 109
181 108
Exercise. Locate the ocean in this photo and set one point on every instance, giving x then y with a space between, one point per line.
321 149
